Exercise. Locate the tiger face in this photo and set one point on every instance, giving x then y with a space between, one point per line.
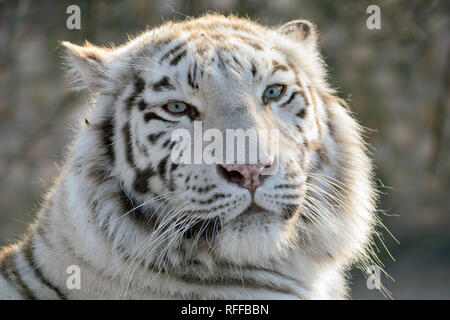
220 74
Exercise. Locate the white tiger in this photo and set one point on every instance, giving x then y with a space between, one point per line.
141 226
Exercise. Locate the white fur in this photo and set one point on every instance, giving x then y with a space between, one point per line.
120 258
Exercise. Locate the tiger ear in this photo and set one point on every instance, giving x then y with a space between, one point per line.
300 30
86 65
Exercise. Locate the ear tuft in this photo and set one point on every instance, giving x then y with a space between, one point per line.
300 30
85 66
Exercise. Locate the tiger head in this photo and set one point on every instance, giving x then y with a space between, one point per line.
308 190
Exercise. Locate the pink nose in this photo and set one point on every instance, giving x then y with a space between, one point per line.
246 175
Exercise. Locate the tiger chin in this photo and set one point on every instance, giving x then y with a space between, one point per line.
135 224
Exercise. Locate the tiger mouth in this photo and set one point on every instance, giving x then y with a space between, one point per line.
210 230
253 209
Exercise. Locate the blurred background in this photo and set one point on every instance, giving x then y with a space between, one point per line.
396 80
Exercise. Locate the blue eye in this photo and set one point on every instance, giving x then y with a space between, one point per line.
176 107
273 92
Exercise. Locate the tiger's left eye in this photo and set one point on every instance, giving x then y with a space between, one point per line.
273 92
177 107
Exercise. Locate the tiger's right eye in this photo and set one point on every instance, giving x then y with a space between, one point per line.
273 93
177 107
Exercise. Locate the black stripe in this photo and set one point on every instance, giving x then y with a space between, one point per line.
178 58
191 82
171 145
141 181
193 114
42 233
142 105
126 130
249 267
6 261
195 72
139 86
237 62
107 131
162 167
131 206
291 186
290 98
154 137
248 283
27 251
302 113
172 51
173 167
166 143
253 69
278 66
29 295
163 84
214 198
153 116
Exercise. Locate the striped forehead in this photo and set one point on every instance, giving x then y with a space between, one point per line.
206 46
195 52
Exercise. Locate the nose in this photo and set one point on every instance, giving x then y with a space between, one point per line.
246 175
